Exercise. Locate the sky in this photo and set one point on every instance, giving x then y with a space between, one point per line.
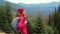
32 1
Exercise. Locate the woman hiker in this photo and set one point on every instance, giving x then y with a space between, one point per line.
22 23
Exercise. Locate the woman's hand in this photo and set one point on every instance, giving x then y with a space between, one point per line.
25 21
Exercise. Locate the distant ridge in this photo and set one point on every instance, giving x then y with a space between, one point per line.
33 8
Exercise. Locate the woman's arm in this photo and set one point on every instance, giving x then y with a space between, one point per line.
21 23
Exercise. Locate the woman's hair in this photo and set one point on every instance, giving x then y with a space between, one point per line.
19 12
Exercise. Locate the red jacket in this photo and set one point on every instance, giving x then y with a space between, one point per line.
22 23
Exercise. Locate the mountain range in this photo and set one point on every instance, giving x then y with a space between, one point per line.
34 8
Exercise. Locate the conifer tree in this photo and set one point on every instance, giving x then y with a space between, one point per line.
38 29
54 20
58 20
29 25
2 15
8 17
5 17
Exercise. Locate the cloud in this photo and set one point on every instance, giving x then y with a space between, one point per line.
33 1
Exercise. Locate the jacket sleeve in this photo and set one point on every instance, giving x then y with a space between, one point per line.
20 23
